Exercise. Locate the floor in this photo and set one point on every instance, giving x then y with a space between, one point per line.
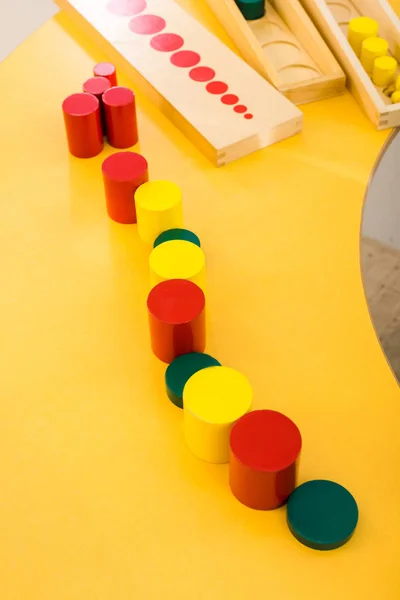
381 274
19 19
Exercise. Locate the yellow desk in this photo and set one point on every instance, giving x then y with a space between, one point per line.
99 497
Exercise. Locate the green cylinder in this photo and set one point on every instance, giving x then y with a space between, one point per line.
251 9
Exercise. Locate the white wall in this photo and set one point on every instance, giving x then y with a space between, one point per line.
19 18
382 206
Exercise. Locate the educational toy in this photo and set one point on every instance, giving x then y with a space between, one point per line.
359 30
176 311
371 49
265 448
213 400
332 19
123 173
177 259
97 86
211 94
83 125
384 71
251 9
285 47
322 514
120 114
177 234
158 207
181 370
106 70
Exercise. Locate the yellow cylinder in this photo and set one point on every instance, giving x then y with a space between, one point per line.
158 208
371 49
360 29
178 259
397 85
213 400
395 97
384 71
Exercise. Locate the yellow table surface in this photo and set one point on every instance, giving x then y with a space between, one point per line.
99 497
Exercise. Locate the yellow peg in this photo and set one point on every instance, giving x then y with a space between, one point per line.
397 84
177 259
360 29
371 49
395 97
158 208
384 71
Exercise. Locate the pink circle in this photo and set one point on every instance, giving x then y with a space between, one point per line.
167 42
240 108
202 74
147 24
217 87
229 99
248 116
126 8
185 59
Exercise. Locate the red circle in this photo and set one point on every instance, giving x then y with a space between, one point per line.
176 301
240 108
126 8
248 116
80 105
202 74
147 24
265 440
217 87
96 86
167 42
229 99
118 96
185 58
124 166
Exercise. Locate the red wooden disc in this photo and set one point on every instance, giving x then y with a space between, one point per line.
176 301
265 440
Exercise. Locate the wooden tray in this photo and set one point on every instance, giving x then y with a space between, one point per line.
285 47
248 115
332 18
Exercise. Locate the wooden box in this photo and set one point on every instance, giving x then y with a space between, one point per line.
220 103
285 47
332 18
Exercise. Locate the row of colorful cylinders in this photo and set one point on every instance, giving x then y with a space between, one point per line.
262 447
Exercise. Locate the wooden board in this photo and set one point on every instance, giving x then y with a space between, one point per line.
221 133
332 18
285 47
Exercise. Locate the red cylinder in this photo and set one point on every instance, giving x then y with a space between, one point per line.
97 86
120 113
265 447
83 125
123 173
176 310
107 70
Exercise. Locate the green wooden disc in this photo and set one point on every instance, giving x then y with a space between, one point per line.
177 234
180 371
322 514
251 9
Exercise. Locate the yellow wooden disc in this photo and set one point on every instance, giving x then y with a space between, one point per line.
158 208
360 29
395 97
384 71
218 395
213 400
177 259
371 49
